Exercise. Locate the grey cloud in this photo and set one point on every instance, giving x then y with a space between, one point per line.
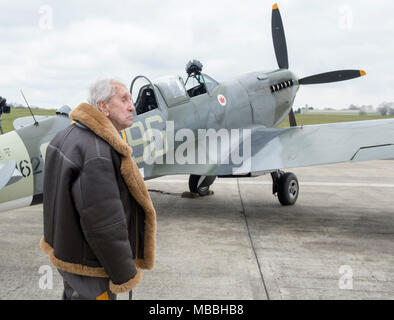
92 39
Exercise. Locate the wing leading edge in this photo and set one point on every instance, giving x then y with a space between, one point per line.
280 148
321 144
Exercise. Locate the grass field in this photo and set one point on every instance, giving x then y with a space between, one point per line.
302 119
8 119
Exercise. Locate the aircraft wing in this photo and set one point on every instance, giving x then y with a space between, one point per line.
281 148
27 121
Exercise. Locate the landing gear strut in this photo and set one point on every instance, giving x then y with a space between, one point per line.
285 184
200 184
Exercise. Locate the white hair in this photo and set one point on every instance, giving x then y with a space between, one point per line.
102 90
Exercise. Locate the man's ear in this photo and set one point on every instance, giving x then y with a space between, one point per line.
102 107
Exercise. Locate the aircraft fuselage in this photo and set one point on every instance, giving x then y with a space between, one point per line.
249 100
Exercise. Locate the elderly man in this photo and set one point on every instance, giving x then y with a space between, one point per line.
99 220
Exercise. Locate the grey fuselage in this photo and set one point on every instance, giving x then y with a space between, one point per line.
254 99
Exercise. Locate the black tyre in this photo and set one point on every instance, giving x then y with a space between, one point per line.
288 189
196 186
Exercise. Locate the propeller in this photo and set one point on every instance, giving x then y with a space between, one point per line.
279 40
278 36
292 120
333 76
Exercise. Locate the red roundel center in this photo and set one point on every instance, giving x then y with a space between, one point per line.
222 100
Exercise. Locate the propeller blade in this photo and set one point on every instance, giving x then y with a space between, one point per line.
292 119
279 39
333 76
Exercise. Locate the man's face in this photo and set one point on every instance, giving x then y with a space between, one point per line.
119 108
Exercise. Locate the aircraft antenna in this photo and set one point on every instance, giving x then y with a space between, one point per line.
35 121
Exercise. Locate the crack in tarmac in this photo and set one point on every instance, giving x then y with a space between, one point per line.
164 192
251 241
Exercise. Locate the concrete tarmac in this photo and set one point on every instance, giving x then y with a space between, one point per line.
337 242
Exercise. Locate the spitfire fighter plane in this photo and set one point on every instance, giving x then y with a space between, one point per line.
175 119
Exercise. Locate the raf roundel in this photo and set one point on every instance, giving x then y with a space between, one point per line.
222 100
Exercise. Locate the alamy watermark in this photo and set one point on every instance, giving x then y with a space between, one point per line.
346 17
346 281
199 147
46 280
45 21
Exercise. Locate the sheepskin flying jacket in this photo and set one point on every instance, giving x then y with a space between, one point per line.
99 220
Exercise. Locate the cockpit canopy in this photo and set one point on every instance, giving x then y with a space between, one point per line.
200 84
173 91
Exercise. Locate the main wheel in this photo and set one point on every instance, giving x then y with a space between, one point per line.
288 189
200 184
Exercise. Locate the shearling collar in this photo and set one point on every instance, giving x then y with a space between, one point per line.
101 126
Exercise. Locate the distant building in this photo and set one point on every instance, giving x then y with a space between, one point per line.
330 111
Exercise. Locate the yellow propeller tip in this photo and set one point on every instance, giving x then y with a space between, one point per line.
362 73
275 6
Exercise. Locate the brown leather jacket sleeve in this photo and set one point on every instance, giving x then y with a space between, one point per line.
103 220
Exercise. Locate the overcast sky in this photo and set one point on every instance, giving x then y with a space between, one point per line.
53 50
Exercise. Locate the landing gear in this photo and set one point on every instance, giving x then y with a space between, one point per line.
200 184
285 184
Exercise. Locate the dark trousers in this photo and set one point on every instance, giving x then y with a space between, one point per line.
78 287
